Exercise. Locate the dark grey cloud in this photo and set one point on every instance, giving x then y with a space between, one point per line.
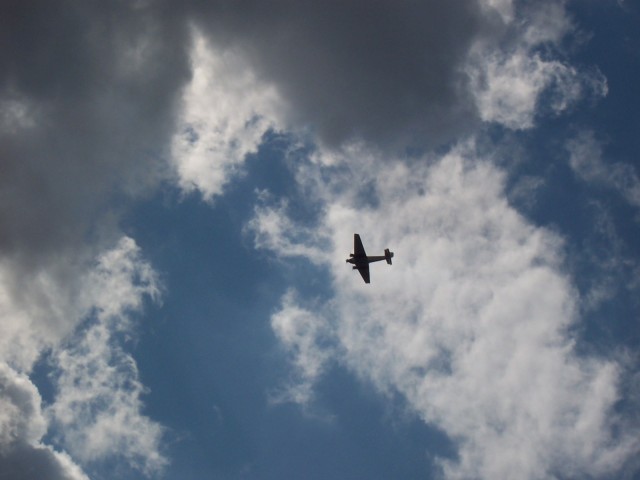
387 72
88 92
88 96
28 462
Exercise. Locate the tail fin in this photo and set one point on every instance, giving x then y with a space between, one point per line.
388 255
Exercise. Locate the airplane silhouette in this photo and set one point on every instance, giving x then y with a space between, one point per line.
361 262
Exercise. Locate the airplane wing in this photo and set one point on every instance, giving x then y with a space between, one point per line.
358 249
364 271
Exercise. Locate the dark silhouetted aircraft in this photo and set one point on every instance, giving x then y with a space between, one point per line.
360 260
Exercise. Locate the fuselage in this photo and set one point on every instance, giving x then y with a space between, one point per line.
362 260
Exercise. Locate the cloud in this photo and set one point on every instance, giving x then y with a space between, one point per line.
99 103
471 325
271 229
225 113
524 192
396 75
606 261
22 426
389 76
97 410
88 95
306 336
586 160
511 85
386 72
508 81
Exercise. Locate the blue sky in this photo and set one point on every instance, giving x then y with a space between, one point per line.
180 185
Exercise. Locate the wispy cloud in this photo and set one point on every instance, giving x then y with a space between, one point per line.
272 229
97 410
307 337
586 158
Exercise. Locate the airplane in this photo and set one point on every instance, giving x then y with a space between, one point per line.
361 262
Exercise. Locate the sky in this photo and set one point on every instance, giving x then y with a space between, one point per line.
180 183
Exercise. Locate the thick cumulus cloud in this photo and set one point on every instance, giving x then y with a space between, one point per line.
87 93
402 74
471 325
22 425
377 70
395 76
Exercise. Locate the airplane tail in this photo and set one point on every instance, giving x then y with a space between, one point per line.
388 255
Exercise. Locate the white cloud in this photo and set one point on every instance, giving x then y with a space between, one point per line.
508 78
505 70
225 113
16 114
306 335
22 426
38 308
272 229
76 312
470 325
508 87
504 8
97 411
